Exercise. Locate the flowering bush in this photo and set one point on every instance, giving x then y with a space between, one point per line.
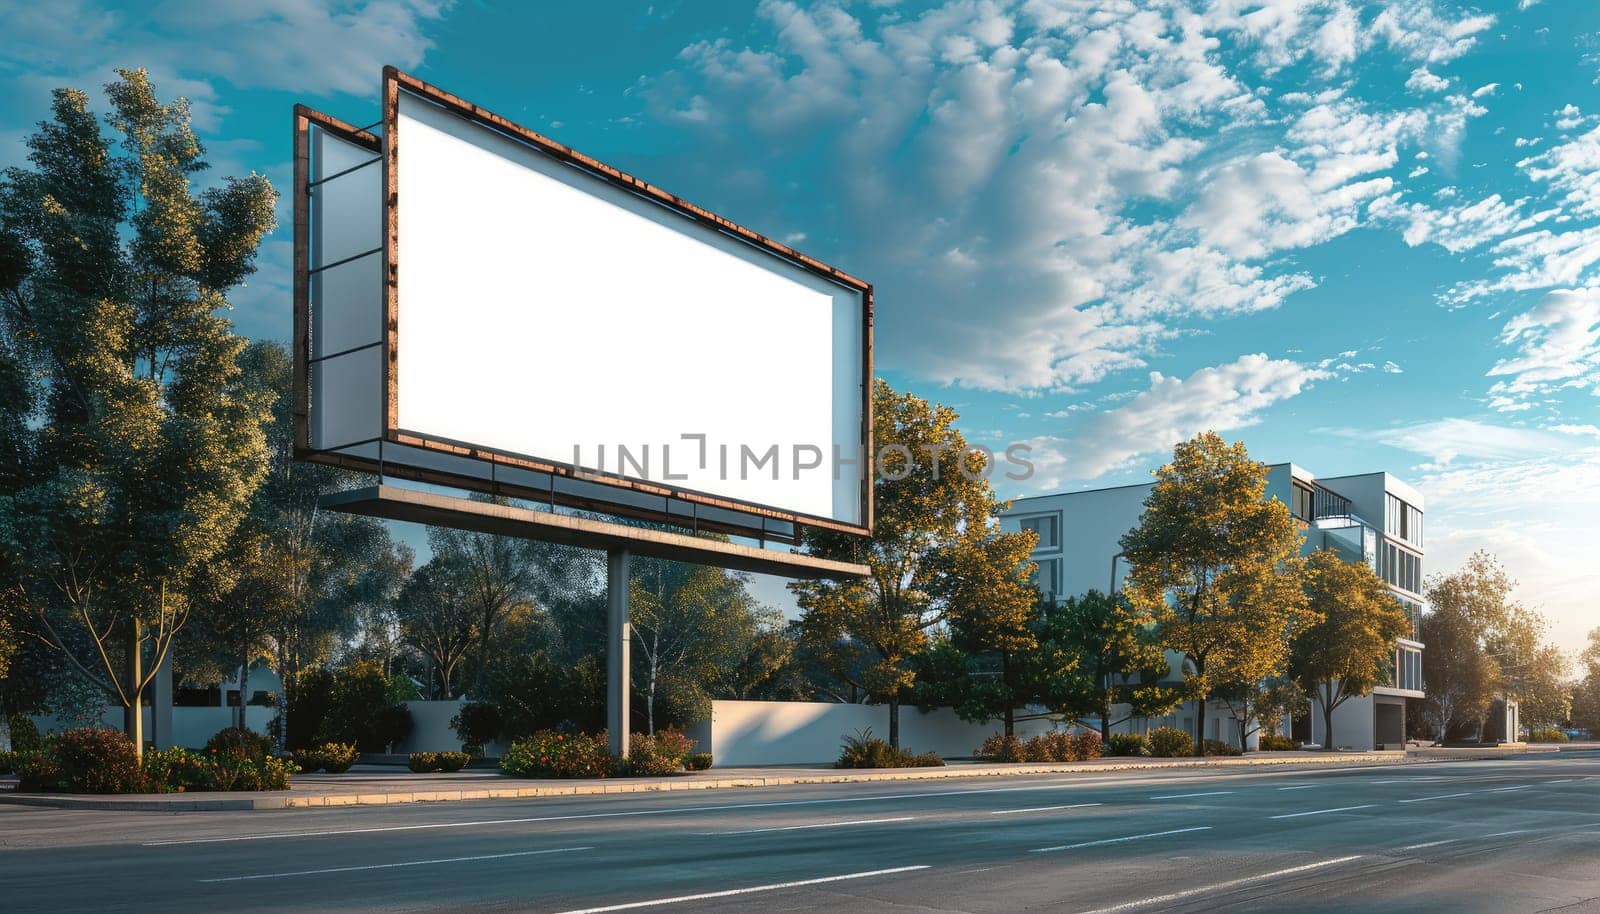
242 741
179 770
334 758
658 755
1170 742
699 761
547 754
103 761
8 762
422 762
1272 742
1220 747
998 748
453 761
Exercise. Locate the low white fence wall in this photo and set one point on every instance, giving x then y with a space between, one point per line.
430 728
810 732
191 726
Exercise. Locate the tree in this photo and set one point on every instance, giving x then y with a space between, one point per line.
688 621
1261 704
436 620
983 669
1350 648
1586 691
1096 652
143 443
247 598
931 497
494 580
1215 564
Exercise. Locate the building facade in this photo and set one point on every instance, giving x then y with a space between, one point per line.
1372 517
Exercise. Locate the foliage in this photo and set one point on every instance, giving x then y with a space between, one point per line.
1350 646
1586 691
1001 747
183 770
436 620
362 710
867 751
8 761
1261 705
422 762
242 741
24 733
658 754
492 580
1218 747
1546 735
934 510
1095 652
475 724
547 754
1128 744
1274 742
85 760
1061 746
1170 742
141 443
1214 563
698 761
334 758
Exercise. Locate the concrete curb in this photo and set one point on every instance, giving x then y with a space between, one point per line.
531 790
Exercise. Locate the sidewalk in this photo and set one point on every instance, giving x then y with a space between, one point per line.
373 785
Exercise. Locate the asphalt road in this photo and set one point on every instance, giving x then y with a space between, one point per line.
1500 836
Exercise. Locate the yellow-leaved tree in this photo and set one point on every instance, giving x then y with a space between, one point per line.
1216 565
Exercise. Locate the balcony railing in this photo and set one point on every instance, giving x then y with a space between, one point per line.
1329 504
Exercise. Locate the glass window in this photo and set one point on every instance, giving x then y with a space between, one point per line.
1304 503
1046 527
1047 577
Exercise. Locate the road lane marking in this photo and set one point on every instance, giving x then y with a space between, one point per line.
1185 796
729 893
1154 834
759 831
1042 809
1222 886
1430 777
1438 796
1300 787
1418 847
1318 812
1502 834
390 866
1505 789
1562 781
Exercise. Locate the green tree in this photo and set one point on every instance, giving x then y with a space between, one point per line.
931 498
436 621
144 444
1096 652
1585 707
1350 648
235 619
1215 564
1261 704
981 669
495 579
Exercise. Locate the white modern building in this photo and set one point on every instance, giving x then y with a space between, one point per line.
1372 517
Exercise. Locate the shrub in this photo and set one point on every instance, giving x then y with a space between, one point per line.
699 761
86 760
241 741
645 760
867 751
179 770
547 754
334 758
453 761
423 762
674 745
475 724
1128 744
1273 742
999 748
1055 746
8 762
1547 735
24 734
362 709
238 772
1220 747
1086 745
1170 742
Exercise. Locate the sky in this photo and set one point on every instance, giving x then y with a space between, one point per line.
1356 236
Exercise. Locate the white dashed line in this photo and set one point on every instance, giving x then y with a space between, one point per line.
1318 812
1154 834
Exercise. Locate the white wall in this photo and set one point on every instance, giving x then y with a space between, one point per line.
810 732
1352 724
430 727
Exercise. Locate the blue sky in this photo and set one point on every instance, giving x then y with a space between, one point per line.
1356 235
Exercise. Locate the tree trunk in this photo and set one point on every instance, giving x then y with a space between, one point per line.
1010 721
244 683
1327 718
1200 727
133 712
1243 723
483 660
894 721
5 731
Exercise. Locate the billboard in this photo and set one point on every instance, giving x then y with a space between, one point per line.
482 307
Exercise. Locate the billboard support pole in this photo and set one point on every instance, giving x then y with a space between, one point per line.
619 637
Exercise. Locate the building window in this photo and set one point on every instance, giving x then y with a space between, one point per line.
1304 504
1408 669
1402 521
1046 526
1400 568
1047 577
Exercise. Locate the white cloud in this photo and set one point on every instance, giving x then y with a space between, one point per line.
1443 441
1558 346
1483 90
1042 193
1418 31
1220 398
1421 80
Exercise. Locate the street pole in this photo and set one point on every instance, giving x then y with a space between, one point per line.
619 637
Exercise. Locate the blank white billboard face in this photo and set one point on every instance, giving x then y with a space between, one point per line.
545 312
